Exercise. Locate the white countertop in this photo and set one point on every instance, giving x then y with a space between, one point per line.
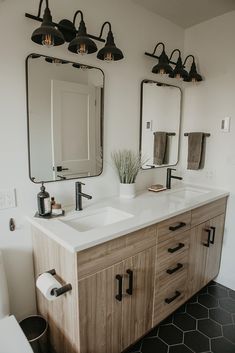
146 208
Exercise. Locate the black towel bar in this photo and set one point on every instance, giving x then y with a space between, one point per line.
205 134
168 133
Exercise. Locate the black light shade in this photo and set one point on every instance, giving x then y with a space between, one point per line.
68 30
110 52
179 71
47 34
82 44
163 66
193 75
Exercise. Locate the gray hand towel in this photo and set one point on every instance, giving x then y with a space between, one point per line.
160 148
195 150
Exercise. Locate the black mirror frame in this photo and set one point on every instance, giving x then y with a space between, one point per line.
28 125
141 121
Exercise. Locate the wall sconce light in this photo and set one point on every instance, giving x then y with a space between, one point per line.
193 75
80 42
47 34
179 72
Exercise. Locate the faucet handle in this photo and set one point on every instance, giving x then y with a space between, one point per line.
79 183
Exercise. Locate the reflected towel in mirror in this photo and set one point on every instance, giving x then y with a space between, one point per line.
160 148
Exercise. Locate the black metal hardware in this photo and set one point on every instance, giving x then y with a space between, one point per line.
79 194
172 250
207 244
12 225
204 134
169 176
62 177
130 289
213 235
59 168
59 291
173 270
170 300
178 226
168 133
119 295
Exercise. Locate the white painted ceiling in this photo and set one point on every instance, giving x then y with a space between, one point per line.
187 13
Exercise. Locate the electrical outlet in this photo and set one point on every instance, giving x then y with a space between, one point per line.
7 199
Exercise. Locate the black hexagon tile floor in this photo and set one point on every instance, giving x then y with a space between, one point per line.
205 324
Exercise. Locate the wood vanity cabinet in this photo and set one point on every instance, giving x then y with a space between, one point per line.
124 287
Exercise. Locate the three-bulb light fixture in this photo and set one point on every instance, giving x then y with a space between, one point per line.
179 72
51 34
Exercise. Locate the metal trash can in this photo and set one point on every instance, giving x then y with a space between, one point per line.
35 328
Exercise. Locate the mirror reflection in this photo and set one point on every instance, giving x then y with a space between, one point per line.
159 124
65 119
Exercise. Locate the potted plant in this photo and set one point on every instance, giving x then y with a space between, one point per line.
127 164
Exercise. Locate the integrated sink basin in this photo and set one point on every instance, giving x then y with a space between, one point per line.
96 219
188 193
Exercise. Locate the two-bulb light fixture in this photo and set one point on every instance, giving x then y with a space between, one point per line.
179 72
51 34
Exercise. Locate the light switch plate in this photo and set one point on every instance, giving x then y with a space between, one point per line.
225 124
7 199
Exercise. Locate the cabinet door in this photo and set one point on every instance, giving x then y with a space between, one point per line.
138 306
215 248
197 258
100 312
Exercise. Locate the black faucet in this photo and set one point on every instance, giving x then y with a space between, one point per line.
169 177
79 194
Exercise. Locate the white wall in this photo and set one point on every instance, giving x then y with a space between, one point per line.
205 105
135 30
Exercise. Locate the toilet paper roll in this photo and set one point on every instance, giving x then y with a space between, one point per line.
46 283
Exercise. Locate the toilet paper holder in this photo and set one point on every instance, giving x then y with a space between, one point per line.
59 291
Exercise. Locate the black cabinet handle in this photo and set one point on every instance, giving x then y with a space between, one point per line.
170 300
207 244
119 295
130 289
213 235
180 246
178 226
173 270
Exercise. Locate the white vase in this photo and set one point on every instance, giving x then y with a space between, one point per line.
127 191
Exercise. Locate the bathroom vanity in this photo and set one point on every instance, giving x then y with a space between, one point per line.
131 263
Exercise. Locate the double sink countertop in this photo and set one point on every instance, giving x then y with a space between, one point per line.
113 217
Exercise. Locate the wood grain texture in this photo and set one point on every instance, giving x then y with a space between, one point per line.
100 312
107 254
206 212
163 231
62 314
164 256
138 308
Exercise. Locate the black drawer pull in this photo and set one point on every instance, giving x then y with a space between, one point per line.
119 295
207 244
130 289
178 226
173 270
213 235
180 246
170 300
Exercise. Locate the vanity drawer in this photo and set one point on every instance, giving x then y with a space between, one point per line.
170 227
172 270
169 250
170 298
208 211
102 256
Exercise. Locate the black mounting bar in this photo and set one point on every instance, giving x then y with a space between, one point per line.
39 19
59 291
157 57
168 133
204 134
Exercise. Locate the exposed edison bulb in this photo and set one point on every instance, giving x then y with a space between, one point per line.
178 76
84 67
82 49
162 72
194 80
109 57
48 40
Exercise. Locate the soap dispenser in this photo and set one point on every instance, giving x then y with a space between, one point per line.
44 203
